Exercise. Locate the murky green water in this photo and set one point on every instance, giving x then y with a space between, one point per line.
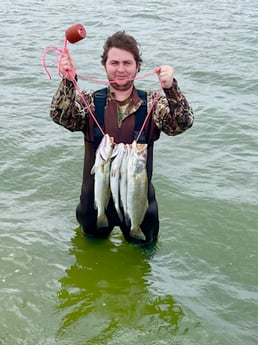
198 286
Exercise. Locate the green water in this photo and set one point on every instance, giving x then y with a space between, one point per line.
198 284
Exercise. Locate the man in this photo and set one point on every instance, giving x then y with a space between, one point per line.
121 110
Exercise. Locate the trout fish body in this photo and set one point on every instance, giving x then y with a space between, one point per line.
123 182
137 188
101 169
118 154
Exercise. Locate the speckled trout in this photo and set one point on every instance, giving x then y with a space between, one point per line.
123 181
101 169
118 154
137 187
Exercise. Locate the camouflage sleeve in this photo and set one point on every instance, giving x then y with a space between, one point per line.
67 108
172 113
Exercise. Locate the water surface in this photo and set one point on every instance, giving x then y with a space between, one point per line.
198 285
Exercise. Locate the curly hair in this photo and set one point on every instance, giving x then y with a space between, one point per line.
124 41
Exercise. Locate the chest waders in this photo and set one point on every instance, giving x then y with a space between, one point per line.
86 213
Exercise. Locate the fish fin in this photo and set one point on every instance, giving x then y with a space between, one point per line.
120 215
114 152
95 205
137 234
127 220
102 221
93 170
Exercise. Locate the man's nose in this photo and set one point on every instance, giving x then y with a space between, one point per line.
121 67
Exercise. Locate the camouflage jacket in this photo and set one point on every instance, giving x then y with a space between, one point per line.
171 112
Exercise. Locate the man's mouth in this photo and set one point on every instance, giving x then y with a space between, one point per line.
121 78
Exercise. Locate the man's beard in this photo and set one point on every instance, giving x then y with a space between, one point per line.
124 87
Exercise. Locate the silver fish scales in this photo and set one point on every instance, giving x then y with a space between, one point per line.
137 188
115 176
101 169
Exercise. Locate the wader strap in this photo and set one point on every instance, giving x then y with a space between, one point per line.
140 117
100 97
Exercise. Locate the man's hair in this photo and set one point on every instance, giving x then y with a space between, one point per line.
123 41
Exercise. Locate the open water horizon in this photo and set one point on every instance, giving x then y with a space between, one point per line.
199 285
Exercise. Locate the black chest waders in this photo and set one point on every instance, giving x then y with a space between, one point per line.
86 214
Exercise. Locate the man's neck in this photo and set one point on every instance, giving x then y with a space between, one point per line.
121 95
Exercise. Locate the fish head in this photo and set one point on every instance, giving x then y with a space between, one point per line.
106 147
140 151
137 157
118 149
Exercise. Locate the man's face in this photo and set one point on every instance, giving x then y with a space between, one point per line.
120 68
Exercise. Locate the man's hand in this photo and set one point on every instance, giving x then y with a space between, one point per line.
66 66
165 74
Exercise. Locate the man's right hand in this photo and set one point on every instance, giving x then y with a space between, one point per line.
66 66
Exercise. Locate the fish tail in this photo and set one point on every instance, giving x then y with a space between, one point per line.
137 234
102 221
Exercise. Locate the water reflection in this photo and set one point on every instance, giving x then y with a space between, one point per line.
108 291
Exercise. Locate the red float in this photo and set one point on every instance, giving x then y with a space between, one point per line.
75 33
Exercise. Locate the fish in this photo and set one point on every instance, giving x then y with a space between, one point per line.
101 169
118 153
123 182
137 188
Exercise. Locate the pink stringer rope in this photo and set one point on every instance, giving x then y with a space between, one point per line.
69 75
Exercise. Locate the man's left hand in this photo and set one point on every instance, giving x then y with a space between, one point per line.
165 74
